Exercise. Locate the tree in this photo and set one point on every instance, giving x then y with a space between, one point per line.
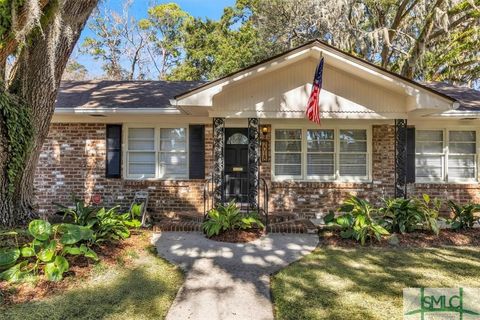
41 34
166 29
216 48
117 41
75 71
419 39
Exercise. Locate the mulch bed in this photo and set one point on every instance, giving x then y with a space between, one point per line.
80 269
469 237
239 236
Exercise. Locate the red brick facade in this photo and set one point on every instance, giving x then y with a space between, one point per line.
73 162
308 198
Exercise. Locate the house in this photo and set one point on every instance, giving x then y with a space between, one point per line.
381 135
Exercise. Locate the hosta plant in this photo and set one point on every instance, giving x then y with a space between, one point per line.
80 213
358 220
229 217
111 225
463 216
106 224
46 252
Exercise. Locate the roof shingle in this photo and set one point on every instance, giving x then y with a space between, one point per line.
468 98
120 94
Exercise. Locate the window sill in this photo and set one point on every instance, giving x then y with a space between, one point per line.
161 180
343 181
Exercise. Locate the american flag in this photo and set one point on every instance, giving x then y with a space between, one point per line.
313 112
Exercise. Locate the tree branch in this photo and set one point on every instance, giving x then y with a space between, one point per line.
10 41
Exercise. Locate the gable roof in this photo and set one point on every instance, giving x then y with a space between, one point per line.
106 94
164 96
319 43
468 98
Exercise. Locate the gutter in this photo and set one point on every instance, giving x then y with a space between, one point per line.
87 111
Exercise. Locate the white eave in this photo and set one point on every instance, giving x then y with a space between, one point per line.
83 111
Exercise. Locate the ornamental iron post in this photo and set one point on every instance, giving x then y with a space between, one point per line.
253 162
400 158
218 160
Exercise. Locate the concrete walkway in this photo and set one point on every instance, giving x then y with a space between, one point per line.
226 280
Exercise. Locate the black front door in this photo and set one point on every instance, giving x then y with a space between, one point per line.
236 164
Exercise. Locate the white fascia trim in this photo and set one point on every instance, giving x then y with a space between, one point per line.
84 111
456 114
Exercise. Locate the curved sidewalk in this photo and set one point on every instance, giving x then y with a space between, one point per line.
228 280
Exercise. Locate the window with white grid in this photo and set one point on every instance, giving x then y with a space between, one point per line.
288 153
430 155
157 153
321 154
446 155
461 155
353 158
141 153
173 153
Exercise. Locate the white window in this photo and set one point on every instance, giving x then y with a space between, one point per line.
353 153
157 153
288 153
321 154
446 155
141 152
173 153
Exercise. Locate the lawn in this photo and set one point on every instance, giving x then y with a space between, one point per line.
137 285
367 283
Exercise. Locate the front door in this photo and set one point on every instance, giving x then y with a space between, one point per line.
236 164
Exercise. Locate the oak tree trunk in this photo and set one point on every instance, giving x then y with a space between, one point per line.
35 81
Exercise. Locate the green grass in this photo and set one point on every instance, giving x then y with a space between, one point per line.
367 283
144 290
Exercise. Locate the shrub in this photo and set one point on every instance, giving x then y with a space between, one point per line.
463 216
224 218
407 215
358 221
110 225
80 214
46 252
107 225
401 215
429 208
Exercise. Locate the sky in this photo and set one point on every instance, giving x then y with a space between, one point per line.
197 8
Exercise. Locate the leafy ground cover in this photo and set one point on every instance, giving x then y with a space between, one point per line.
129 282
366 282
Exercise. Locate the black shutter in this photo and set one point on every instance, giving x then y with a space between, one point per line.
114 151
410 155
197 151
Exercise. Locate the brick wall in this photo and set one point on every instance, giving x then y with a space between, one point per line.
73 161
308 198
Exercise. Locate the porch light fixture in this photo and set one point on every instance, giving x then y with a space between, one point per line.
265 145
264 131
